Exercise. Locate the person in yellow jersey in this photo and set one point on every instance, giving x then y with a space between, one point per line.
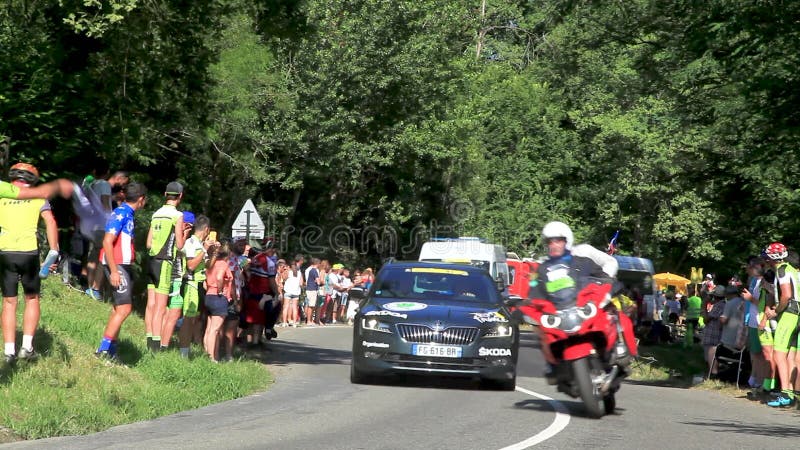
163 241
19 260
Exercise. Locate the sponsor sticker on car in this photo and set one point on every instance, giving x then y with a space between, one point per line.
383 312
374 344
405 306
493 316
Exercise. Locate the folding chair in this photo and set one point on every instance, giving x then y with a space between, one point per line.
728 356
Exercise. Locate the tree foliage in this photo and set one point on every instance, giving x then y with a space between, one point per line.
383 123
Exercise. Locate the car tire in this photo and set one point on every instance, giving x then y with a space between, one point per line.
359 377
505 384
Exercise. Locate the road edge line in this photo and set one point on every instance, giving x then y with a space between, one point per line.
559 422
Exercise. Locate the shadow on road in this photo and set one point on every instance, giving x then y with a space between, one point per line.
750 429
576 408
432 382
280 353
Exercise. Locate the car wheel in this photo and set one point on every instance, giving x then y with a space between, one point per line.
505 384
359 377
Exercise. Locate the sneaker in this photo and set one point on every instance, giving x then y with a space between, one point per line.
28 355
11 360
94 293
107 358
783 401
333 321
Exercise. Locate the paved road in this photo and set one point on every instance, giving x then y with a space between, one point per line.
313 405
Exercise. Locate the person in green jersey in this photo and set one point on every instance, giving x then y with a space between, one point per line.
163 241
196 252
694 309
786 310
175 302
760 334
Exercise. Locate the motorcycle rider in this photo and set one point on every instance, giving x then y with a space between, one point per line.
565 271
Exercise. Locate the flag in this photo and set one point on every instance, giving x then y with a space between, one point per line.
612 244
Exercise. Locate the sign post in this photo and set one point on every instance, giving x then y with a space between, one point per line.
248 223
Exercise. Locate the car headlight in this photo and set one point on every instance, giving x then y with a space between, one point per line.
500 331
375 325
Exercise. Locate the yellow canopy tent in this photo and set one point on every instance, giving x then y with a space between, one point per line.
663 280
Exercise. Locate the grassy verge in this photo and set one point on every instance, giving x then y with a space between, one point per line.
669 364
68 391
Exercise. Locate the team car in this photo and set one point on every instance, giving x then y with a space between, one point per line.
436 319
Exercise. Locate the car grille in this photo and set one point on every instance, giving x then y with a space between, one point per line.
421 334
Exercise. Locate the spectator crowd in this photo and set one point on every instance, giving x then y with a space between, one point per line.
218 293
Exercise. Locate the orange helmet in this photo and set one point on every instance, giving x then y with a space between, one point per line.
25 172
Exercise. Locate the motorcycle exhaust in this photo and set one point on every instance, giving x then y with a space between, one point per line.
609 379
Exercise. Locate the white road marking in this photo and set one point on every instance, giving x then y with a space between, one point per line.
559 423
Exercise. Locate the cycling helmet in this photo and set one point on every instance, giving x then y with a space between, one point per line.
776 251
25 172
558 230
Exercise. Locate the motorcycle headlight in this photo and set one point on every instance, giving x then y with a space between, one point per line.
500 331
375 325
587 311
550 321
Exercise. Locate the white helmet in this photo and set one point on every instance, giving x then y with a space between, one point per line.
558 230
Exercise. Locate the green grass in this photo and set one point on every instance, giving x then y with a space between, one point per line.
669 364
68 391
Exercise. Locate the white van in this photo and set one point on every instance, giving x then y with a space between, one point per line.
468 250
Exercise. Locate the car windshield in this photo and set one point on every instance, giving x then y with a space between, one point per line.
433 283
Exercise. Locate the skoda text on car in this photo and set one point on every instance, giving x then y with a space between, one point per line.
435 318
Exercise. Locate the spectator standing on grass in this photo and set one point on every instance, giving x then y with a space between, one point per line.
196 252
102 190
713 329
117 256
759 340
219 287
175 302
732 318
673 307
786 311
163 241
19 260
694 309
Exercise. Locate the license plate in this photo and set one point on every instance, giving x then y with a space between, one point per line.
439 351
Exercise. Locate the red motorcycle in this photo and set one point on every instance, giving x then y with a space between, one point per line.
591 355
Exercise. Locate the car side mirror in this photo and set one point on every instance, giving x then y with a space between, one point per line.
500 283
512 300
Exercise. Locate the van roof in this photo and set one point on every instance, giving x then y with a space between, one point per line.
462 249
634 264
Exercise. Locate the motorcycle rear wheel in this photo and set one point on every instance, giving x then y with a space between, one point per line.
581 370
